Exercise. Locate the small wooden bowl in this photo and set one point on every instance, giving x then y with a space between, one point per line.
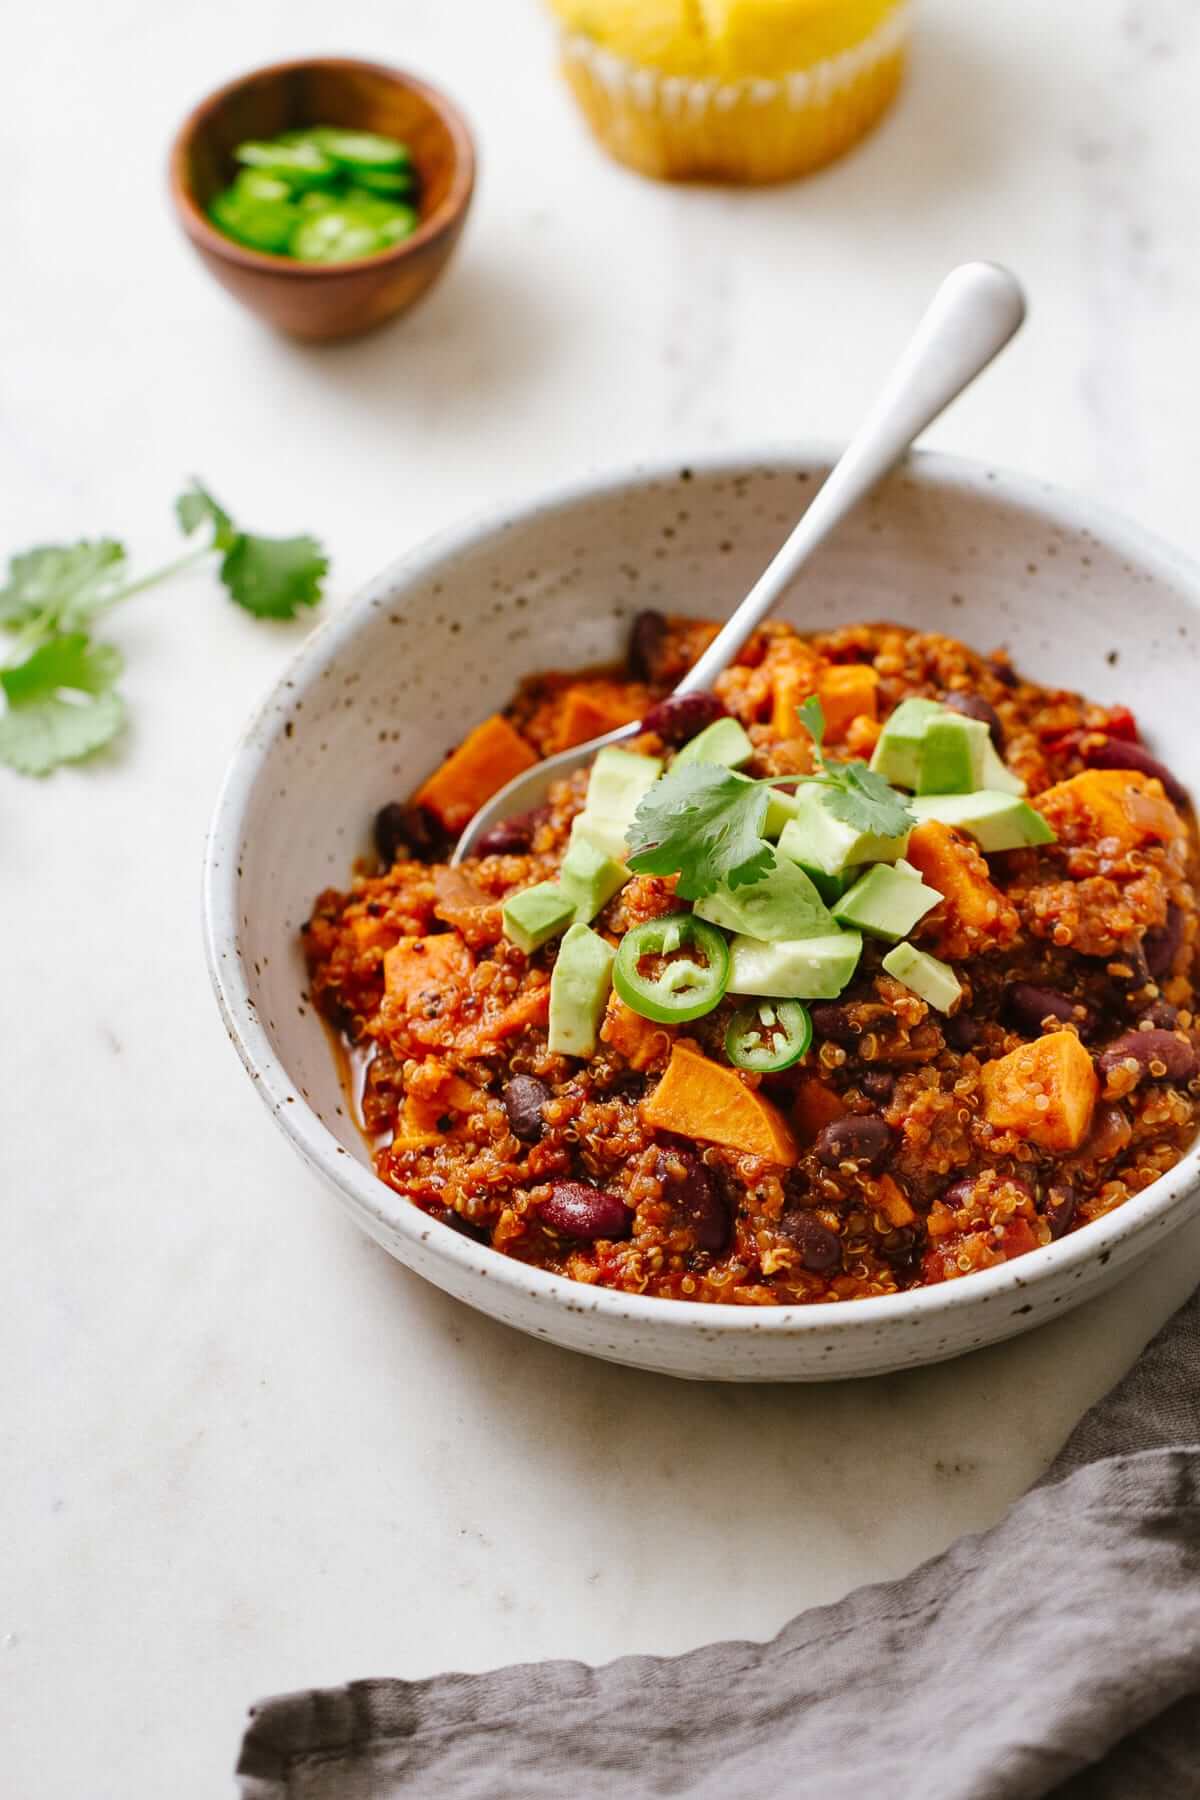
321 301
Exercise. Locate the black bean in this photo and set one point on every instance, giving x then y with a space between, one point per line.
1162 945
1027 1006
681 717
1162 1014
962 1032
820 1249
974 706
900 1246
859 1137
962 1192
407 831
1116 753
524 1097
646 638
833 1021
878 1083
692 1190
1003 671
512 837
1059 1210
581 1211
1158 1054
446 1215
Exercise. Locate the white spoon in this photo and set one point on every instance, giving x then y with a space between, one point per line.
971 317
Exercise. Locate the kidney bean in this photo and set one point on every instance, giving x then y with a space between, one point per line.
820 1249
1003 671
681 717
1162 945
859 1137
524 1097
1116 753
974 706
581 1211
1158 1054
696 1198
962 1032
1028 1005
511 837
899 1247
1162 1014
878 1083
646 638
407 831
1059 1209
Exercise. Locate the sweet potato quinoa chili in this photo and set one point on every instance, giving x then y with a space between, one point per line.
872 969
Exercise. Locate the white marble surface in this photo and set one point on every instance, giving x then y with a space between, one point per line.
243 1451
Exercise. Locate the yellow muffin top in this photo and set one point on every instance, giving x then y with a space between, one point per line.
730 40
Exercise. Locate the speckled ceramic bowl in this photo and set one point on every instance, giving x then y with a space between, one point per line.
394 680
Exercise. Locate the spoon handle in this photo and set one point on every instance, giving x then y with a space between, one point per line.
972 316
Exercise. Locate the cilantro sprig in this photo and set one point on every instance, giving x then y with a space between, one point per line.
59 686
704 823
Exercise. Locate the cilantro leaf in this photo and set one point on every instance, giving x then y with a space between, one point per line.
812 716
273 577
196 507
858 796
60 704
704 824
59 586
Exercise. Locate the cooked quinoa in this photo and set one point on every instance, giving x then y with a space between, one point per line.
912 1164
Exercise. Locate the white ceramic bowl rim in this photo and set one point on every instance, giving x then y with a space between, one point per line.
372 1197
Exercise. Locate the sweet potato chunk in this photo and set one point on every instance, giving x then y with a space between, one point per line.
643 1043
697 1098
815 1106
589 712
423 974
484 762
1044 1091
846 692
1110 803
974 915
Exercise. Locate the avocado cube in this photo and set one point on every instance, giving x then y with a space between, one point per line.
784 904
579 988
897 755
535 915
951 755
590 877
997 774
724 742
996 821
886 902
929 978
817 840
618 781
815 968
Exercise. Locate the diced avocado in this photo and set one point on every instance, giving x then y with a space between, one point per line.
589 877
929 978
617 783
535 915
995 821
996 773
951 754
579 988
724 742
816 840
816 968
886 902
784 904
898 753
830 887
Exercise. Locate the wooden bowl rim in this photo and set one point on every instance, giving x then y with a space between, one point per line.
206 235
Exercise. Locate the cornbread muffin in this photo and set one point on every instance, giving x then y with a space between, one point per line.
732 90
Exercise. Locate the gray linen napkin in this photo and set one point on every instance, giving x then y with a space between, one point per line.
1058 1653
